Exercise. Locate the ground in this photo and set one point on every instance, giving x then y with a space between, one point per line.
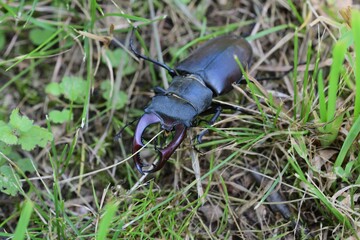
284 165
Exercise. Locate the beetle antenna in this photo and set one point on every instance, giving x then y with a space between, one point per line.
119 134
171 71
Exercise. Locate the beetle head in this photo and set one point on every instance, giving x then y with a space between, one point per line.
164 154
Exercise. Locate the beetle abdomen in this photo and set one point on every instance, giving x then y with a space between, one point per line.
214 62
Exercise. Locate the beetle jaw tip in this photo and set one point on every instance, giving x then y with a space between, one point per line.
164 154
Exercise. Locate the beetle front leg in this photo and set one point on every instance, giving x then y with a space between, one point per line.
217 109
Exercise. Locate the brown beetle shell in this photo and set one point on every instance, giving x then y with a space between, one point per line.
214 62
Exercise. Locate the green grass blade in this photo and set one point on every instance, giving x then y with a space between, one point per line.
317 192
9 9
353 133
296 50
321 92
106 221
253 89
306 95
31 12
44 44
355 23
338 59
295 11
186 189
267 32
24 220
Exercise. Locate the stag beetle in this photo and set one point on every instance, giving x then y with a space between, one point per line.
208 72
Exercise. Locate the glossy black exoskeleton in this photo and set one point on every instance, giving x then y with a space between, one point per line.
208 72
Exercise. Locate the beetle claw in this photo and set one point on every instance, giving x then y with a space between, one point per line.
164 154
201 135
139 168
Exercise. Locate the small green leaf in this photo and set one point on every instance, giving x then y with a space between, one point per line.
53 88
344 173
73 88
331 130
120 101
7 135
38 35
25 165
121 97
106 88
117 55
114 56
4 149
35 136
340 171
9 181
346 35
60 116
18 122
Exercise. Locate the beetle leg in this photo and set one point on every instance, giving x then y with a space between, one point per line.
279 203
119 134
217 109
159 90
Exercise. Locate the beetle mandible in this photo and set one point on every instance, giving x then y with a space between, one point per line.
208 72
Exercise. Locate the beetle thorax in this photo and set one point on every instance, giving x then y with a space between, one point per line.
186 97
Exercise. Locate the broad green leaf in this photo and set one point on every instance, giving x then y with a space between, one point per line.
9 181
36 136
106 88
60 116
7 135
38 35
18 122
53 88
25 164
121 97
117 55
73 88
4 149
